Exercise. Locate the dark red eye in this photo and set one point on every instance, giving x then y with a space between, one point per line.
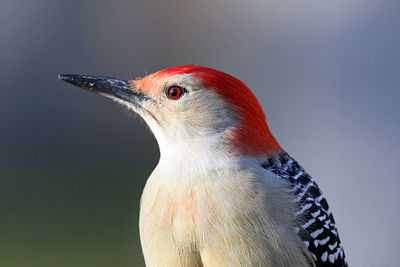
174 92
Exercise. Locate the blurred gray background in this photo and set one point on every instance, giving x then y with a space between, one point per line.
73 164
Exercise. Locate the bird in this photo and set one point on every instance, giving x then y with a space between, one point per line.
224 192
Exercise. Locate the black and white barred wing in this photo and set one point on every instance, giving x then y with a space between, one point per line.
317 228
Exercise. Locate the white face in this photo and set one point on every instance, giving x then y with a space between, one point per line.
196 115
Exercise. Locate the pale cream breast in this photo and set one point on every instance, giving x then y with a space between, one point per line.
213 219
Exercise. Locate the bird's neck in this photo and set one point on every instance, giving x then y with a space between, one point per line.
193 157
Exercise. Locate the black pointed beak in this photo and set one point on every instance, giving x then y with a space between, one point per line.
107 86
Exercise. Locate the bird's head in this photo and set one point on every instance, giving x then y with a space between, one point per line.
194 106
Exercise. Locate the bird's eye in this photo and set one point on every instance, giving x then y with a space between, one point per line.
175 92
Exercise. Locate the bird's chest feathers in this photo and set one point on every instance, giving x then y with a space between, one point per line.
175 211
181 214
186 211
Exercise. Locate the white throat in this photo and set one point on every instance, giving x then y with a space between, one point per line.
194 156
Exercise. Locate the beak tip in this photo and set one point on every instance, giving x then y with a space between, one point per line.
63 77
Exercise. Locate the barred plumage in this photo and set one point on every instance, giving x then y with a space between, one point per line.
317 228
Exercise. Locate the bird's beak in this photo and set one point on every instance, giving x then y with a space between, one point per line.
107 86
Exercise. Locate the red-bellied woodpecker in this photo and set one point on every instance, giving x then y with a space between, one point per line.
224 192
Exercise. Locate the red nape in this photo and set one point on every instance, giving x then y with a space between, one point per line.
253 136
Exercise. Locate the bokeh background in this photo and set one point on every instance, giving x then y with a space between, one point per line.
73 164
